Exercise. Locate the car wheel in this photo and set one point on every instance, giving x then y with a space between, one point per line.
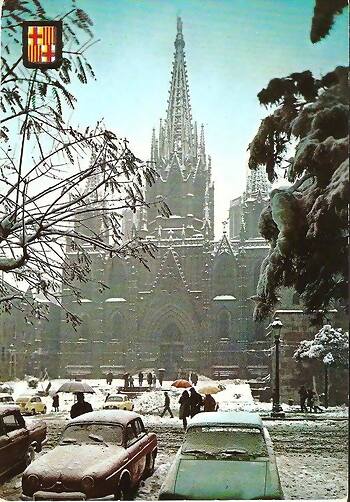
124 408
124 491
29 456
33 412
44 411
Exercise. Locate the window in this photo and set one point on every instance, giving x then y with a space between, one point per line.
92 434
140 430
11 423
130 434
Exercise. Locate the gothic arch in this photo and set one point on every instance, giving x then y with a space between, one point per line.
223 323
224 274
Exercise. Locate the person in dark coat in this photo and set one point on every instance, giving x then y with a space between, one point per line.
109 378
310 399
126 380
302 395
80 407
184 410
196 402
154 380
160 378
167 405
209 403
194 378
149 379
56 402
140 378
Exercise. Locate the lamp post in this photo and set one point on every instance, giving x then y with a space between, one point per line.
277 410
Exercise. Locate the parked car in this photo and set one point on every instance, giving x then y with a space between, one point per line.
31 405
6 398
101 453
225 455
118 402
19 439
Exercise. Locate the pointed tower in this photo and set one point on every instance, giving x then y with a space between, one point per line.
180 158
255 198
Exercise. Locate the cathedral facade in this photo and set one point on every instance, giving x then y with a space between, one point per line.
191 310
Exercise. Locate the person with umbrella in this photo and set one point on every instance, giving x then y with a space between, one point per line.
184 410
80 407
196 402
209 403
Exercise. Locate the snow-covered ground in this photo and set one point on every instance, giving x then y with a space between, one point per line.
312 455
236 397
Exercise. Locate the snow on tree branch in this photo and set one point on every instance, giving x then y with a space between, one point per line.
329 346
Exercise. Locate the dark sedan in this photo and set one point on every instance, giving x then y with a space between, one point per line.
100 454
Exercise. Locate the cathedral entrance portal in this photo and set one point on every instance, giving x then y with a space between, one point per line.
171 349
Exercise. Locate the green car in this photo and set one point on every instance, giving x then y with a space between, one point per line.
225 455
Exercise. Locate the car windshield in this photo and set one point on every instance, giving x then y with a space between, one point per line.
93 434
225 440
114 398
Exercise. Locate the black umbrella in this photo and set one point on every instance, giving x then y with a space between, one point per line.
74 387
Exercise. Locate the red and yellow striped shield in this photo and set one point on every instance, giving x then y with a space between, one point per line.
42 44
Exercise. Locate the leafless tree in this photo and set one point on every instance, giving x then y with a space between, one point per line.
54 175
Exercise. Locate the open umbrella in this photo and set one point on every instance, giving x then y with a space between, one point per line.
75 387
210 389
181 384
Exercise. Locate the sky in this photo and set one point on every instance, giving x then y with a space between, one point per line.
233 48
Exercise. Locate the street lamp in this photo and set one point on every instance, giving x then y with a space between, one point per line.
277 410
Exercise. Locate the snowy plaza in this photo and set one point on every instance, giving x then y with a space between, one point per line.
310 450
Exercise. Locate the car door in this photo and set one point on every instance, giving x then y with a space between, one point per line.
18 435
134 449
5 450
143 443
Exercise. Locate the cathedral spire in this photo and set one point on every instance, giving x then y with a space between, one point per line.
258 185
179 117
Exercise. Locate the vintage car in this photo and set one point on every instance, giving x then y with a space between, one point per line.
100 454
225 455
6 398
31 405
118 402
19 439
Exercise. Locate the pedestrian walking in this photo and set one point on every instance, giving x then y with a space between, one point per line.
56 402
80 407
316 404
154 380
167 405
209 403
149 379
310 399
109 378
140 378
302 395
126 380
196 402
131 381
184 410
160 377
194 378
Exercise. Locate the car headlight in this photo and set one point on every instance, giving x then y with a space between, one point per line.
33 482
87 483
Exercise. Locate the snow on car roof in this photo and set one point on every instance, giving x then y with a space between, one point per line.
8 408
121 417
226 418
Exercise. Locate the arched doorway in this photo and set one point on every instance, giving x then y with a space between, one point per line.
171 348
